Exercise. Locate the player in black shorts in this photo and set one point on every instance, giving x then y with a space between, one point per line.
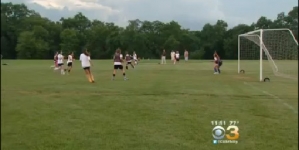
118 60
128 59
218 62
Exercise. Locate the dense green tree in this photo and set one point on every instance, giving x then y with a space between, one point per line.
27 35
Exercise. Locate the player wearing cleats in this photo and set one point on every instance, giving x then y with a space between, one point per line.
86 64
172 55
60 63
177 57
216 63
55 66
163 57
117 61
70 59
219 62
128 59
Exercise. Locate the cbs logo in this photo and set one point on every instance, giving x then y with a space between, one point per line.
218 133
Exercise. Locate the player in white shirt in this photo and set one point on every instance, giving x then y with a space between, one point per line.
172 55
70 59
60 60
177 57
135 58
86 64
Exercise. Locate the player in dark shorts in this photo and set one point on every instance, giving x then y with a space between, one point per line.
219 62
128 59
118 60
70 59
86 64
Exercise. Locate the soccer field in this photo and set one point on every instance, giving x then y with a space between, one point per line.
160 107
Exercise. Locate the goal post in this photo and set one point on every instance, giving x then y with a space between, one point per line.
267 52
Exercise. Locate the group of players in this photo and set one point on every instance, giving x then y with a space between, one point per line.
175 56
131 60
118 59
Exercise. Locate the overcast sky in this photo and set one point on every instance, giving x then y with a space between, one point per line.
191 14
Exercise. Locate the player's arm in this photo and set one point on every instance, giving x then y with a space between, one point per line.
90 61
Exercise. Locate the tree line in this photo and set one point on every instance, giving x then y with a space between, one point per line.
25 34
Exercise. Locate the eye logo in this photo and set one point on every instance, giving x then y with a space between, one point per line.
218 132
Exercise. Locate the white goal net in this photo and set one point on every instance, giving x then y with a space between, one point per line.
268 52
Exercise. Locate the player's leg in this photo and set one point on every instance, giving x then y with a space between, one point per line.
124 72
91 75
216 68
56 66
132 65
69 67
219 65
114 71
164 59
87 73
127 65
60 66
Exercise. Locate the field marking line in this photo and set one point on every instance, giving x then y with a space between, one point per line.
275 97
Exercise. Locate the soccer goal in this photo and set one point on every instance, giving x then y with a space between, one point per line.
267 52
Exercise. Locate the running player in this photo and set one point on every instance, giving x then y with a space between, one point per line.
86 64
172 55
70 59
117 59
216 67
60 60
128 59
177 57
186 54
135 58
55 66
219 62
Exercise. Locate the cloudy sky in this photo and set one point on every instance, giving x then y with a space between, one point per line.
191 14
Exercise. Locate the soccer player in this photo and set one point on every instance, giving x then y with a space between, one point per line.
172 55
163 57
177 57
219 62
60 62
55 66
117 59
135 58
70 59
86 64
128 59
216 62
186 54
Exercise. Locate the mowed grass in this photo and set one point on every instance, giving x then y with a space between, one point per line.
161 107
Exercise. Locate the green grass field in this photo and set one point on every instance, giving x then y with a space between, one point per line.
161 107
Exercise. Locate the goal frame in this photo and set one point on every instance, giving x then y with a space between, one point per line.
260 36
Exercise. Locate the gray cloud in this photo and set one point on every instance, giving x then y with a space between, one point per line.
191 14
